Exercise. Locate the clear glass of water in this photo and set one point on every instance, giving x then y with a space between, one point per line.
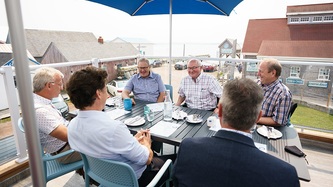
117 101
150 116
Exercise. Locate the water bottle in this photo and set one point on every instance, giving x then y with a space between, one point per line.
167 107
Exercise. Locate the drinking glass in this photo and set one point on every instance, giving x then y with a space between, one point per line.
117 101
150 116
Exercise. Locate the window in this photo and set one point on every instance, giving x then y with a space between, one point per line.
305 19
294 20
324 74
294 71
317 19
328 18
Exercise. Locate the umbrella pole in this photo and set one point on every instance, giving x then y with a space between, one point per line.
170 41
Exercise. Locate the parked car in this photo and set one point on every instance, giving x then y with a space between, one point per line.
60 103
209 67
157 63
115 87
180 65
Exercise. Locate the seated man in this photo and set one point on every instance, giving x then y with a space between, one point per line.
199 90
230 158
146 85
277 96
94 133
47 84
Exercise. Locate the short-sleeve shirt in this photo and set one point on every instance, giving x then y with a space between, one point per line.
202 93
48 118
146 89
277 101
94 133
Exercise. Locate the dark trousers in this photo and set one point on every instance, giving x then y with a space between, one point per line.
153 168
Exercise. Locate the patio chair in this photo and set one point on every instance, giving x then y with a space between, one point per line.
291 111
52 168
114 173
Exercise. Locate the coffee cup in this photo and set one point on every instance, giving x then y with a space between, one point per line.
128 104
211 121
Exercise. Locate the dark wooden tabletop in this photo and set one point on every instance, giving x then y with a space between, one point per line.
188 130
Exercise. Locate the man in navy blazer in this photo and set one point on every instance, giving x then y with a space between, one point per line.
230 158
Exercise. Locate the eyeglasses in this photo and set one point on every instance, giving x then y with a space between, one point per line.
59 84
142 68
193 68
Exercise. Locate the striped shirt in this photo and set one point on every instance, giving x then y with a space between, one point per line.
277 101
201 94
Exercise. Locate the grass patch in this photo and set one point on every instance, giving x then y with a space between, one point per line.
312 118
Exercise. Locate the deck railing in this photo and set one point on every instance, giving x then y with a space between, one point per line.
300 85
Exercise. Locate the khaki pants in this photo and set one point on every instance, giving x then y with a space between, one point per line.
73 157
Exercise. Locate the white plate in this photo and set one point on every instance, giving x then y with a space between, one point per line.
137 121
275 134
179 116
189 119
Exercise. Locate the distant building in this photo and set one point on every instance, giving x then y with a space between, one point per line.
6 59
306 34
226 48
48 46
144 46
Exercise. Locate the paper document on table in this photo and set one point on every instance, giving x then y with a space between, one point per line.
116 113
164 128
156 107
261 147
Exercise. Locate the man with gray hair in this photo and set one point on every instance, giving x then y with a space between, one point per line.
230 157
199 90
47 84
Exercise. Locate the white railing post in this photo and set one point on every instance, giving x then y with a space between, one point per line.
21 146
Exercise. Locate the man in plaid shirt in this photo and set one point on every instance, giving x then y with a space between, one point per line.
199 90
277 96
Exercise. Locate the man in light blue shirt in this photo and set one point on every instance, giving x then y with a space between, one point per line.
145 85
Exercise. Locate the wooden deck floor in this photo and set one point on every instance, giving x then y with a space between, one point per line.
319 155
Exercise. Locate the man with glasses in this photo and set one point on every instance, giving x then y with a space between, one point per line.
199 90
47 84
146 85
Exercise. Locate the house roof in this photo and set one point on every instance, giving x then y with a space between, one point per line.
278 30
305 49
39 40
6 54
76 51
310 8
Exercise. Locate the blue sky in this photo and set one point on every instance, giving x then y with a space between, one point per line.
85 16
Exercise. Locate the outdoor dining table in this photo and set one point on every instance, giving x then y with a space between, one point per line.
187 130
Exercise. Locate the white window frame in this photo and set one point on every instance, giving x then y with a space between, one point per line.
324 74
295 71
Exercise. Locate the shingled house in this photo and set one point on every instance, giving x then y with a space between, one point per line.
48 46
305 35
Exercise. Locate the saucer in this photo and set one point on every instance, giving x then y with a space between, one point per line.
192 119
134 122
179 115
275 134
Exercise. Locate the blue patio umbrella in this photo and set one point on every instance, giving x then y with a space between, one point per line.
154 7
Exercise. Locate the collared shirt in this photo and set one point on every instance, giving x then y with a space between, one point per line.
239 132
146 89
48 118
94 133
277 101
201 94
